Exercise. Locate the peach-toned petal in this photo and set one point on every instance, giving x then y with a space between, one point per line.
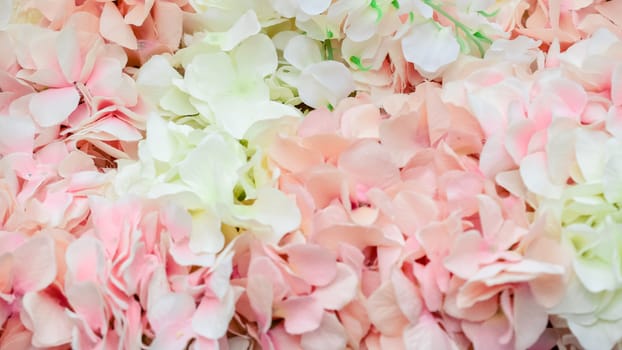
384 311
312 263
369 164
113 27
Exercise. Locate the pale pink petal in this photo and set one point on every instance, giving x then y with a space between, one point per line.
168 19
616 85
427 334
213 315
49 323
51 107
260 296
356 236
16 135
35 264
112 27
69 55
466 254
369 164
86 260
384 311
312 263
361 121
330 335
487 335
339 292
412 211
407 296
530 318
292 156
354 319
282 340
302 314
170 318
88 302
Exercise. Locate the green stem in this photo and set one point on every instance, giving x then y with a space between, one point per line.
486 14
357 62
374 5
457 24
328 50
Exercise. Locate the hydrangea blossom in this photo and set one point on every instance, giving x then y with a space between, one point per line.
202 170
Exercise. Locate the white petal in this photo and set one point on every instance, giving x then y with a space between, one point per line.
209 74
325 82
274 209
361 25
210 170
429 48
244 27
256 57
206 236
591 153
160 139
237 115
533 172
313 7
612 179
601 335
302 51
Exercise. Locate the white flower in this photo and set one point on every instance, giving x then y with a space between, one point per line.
230 90
320 83
430 48
589 210
199 169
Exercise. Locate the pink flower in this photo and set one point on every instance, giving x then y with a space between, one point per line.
82 93
569 21
401 188
48 189
304 289
142 28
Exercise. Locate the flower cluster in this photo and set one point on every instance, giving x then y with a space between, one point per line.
310 174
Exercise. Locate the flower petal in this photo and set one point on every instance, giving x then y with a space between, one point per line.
429 48
51 107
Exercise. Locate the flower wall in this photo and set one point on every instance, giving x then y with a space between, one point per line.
311 174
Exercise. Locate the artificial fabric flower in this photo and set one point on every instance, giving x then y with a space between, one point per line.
583 200
80 88
200 169
142 28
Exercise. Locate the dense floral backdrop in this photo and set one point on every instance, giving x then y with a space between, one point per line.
311 174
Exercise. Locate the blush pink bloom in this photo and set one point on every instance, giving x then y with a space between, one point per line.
301 284
48 189
397 194
569 21
515 106
81 93
142 27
